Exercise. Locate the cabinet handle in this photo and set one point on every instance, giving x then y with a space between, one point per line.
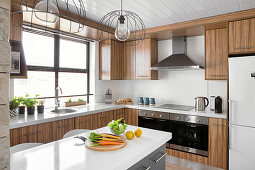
147 168
65 125
217 75
219 125
162 156
3 137
247 47
3 168
32 133
142 76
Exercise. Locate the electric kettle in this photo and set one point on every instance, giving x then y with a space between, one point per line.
201 103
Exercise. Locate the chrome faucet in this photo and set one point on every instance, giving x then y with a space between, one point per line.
57 102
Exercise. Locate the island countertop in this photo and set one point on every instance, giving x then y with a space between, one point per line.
65 155
48 116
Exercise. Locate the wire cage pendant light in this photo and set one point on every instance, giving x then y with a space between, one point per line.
55 16
121 25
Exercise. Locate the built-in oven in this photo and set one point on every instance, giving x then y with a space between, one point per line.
189 133
154 120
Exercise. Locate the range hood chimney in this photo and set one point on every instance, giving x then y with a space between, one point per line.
179 59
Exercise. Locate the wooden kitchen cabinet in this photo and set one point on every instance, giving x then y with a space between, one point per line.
242 36
84 122
110 61
61 127
16 20
146 56
216 54
129 61
131 116
218 142
119 113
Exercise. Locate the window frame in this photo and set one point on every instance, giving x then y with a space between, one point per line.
58 69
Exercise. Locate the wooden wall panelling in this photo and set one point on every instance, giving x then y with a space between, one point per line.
218 142
16 20
188 156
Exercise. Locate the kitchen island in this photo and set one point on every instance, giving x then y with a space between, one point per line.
140 153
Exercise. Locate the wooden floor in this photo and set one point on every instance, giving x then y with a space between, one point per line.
174 163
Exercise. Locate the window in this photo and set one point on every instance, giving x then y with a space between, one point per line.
54 62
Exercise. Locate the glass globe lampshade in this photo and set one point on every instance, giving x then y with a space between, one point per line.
122 32
46 12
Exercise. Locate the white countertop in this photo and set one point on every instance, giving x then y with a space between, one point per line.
47 116
64 155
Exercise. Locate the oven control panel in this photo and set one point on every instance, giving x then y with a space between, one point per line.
189 118
153 114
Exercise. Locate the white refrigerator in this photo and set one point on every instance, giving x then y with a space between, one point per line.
242 113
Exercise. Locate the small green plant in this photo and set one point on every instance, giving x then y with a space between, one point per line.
69 101
80 100
14 103
21 100
41 102
30 102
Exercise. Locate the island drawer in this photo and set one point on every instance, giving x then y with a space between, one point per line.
154 161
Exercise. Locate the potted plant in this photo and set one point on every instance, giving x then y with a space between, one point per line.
70 103
40 106
13 105
21 105
30 103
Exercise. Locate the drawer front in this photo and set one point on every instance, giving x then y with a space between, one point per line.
154 161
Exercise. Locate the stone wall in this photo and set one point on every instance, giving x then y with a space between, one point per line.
4 84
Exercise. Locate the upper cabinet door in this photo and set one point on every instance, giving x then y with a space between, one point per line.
242 36
129 61
216 54
16 21
146 56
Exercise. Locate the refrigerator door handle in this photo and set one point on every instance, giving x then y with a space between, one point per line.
230 137
230 111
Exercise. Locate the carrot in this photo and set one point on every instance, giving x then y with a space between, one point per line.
102 142
113 140
110 136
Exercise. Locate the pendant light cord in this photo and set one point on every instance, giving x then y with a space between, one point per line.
121 6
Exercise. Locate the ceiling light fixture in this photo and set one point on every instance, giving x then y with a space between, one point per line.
123 26
57 16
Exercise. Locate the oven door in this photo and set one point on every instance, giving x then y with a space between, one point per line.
152 123
189 137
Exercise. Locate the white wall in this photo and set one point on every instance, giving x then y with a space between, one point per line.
179 87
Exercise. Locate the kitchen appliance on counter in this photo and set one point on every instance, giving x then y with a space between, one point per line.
108 96
212 103
218 104
189 133
201 103
176 107
241 113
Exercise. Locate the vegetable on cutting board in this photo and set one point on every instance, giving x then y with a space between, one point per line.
104 139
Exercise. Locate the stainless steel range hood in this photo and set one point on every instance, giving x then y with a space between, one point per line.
179 59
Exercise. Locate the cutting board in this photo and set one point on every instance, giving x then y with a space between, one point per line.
105 148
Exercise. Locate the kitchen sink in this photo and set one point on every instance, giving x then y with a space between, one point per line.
63 111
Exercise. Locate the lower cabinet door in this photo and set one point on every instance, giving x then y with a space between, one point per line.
154 161
45 132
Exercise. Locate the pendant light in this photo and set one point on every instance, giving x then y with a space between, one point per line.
46 12
121 25
55 16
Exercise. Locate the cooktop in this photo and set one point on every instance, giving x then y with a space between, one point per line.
176 107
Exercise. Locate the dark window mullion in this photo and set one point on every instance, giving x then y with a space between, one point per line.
56 59
87 69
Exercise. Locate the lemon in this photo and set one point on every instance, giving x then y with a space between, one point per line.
129 135
138 133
